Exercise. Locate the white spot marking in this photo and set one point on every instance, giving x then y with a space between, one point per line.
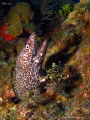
41 54
36 60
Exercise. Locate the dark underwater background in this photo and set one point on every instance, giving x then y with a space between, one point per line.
5 5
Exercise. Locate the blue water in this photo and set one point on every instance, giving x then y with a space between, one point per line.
76 1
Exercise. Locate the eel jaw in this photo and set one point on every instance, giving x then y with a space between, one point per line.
32 42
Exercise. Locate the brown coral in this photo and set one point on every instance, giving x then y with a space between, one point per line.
18 17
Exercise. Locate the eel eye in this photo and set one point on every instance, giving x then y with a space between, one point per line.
27 46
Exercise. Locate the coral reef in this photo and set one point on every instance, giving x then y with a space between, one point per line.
66 74
81 10
19 17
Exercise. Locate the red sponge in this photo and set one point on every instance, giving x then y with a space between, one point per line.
5 35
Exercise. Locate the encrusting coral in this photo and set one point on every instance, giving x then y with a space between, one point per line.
18 17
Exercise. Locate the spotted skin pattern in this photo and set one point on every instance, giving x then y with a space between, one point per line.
28 67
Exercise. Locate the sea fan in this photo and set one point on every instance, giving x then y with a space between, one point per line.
46 8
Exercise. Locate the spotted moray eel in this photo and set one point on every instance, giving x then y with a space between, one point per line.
28 67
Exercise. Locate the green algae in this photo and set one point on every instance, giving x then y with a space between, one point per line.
66 9
55 73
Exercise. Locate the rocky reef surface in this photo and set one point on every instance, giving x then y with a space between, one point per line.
65 87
